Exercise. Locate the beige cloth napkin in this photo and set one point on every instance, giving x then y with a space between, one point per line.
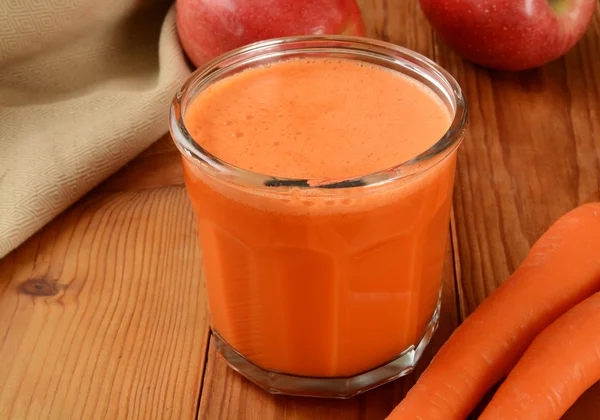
85 85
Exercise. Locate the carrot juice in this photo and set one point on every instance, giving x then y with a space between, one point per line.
322 185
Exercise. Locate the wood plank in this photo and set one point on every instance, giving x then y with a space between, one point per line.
398 22
102 313
226 395
532 154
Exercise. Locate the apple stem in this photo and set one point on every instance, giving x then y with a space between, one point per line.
560 6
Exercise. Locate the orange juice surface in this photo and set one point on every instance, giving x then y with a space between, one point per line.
312 281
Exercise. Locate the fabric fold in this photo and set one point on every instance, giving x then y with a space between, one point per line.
78 101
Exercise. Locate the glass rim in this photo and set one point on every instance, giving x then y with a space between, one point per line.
194 151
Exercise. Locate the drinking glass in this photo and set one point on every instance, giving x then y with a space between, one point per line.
322 287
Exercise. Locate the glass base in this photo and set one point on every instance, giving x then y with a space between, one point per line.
285 384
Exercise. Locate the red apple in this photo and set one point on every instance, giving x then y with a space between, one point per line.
208 28
509 34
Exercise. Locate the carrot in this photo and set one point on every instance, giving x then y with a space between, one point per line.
559 365
561 269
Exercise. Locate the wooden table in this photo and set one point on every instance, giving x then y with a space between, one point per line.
103 312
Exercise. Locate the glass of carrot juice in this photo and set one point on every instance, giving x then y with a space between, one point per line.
321 172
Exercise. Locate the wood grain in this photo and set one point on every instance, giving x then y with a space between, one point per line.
102 314
226 395
532 154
